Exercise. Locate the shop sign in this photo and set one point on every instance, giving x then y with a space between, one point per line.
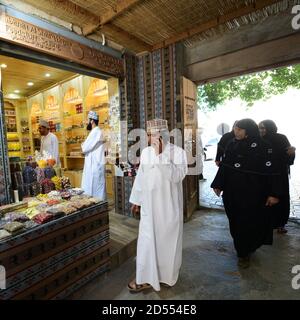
28 35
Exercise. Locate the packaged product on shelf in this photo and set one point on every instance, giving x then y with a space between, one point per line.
95 200
54 195
39 174
56 211
42 218
52 202
42 207
16 216
76 191
57 182
30 224
65 183
4 234
47 185
29 175
68 209
31 212
14 227
49 172
66 195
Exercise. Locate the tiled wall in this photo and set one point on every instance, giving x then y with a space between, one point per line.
4 165
152 89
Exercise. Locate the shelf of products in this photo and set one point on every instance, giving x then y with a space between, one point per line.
14 144
73 124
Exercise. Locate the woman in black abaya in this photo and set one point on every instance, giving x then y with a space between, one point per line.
250 183
285 155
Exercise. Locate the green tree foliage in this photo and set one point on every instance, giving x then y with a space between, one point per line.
249 88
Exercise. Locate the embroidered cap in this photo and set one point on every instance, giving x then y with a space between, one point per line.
93 115
44 123
157 125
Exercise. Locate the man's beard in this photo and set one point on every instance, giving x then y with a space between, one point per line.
89 127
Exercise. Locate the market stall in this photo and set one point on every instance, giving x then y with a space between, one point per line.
53 243
65 107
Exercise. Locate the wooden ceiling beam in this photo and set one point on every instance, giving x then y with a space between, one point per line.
124 38
121 7
199 28
72 11
110 14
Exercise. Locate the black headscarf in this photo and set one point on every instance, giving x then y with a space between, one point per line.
250 126
270 126
279 142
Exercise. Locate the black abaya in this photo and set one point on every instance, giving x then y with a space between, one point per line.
248 176
280 144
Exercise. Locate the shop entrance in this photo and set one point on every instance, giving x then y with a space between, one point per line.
270 94
31 92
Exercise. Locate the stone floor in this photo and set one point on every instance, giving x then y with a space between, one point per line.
209 269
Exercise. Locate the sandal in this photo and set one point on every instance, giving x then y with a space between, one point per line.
165 285
138 287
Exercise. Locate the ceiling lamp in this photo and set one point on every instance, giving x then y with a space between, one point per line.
12 96
30 84
17 91
47 75
3 65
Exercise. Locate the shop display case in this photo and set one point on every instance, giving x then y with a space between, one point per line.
52 259
65 107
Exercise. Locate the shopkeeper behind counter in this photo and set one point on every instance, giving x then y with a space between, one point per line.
93 148
49 142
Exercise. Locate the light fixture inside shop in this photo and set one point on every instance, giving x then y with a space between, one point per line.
13 96
47 75
3 65
17 91
30 84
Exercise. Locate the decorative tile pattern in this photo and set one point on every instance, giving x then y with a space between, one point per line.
4 164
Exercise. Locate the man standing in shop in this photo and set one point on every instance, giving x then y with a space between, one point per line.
157 193
93 178
49 142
